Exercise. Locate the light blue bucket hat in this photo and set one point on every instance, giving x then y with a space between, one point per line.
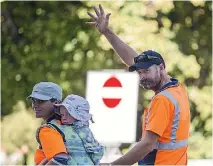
77 106
46 91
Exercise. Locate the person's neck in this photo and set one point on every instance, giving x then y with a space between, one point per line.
47 118
165 79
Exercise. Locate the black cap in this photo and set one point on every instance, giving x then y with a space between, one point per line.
146 59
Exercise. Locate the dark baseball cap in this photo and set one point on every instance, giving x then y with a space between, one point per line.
146 59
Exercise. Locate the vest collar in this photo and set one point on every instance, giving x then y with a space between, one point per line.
174 82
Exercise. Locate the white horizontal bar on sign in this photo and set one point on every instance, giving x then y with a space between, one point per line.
112 92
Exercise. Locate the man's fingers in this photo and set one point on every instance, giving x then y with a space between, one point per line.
92 16
107 16
96 11
101 10
91 23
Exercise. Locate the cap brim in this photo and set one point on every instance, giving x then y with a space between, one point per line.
39 96
141 65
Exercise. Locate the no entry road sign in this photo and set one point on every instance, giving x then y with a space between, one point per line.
113 98
112 83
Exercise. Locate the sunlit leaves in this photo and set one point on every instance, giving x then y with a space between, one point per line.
19 128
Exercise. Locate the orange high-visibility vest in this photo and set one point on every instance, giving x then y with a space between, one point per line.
168 115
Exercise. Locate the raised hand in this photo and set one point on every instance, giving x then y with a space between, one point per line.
101 21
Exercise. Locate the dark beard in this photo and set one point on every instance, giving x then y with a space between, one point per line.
149 84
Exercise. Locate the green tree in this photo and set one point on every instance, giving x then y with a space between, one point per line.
18 129
47 41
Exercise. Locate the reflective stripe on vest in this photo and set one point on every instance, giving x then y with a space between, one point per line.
172 144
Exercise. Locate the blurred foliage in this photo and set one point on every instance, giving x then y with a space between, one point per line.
49 41
200 146
18 130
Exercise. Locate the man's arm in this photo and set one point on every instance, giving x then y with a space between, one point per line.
139 151
125 52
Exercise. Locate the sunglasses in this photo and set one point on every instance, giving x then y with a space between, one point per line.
144 58
38 101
